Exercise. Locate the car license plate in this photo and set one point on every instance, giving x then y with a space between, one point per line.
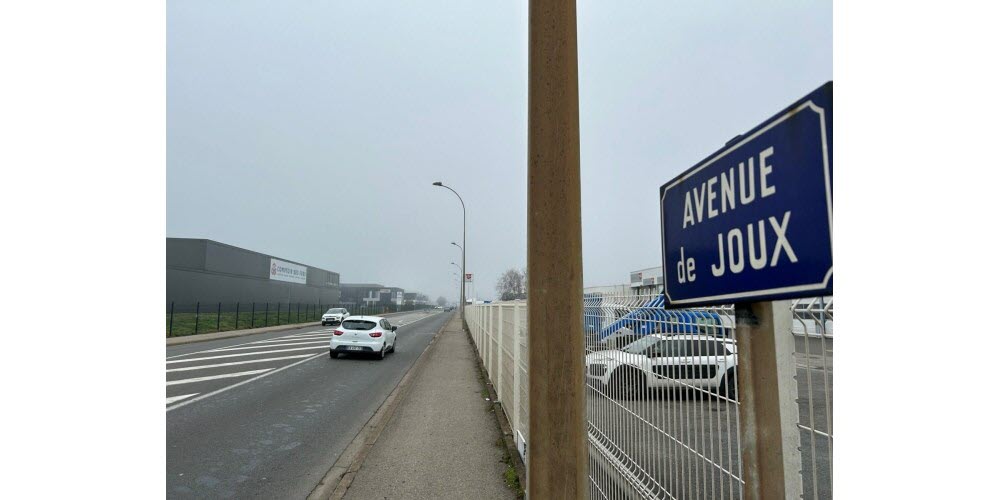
353 348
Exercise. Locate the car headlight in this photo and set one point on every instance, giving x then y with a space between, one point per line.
597 370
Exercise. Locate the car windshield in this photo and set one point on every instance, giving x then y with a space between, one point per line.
335 311
640 346
357 324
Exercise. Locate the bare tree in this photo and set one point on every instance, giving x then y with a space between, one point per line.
512 285
441 301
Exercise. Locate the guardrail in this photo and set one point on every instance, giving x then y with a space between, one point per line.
662 411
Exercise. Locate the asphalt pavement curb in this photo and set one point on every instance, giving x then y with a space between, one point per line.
338 479
205 337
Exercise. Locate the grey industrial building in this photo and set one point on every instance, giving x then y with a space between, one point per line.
370 294
210 272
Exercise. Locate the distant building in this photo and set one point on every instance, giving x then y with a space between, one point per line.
415 299
647 281
209 272
370 294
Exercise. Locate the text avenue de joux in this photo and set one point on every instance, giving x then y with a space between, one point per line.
718 195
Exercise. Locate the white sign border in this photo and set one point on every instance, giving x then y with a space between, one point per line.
829 211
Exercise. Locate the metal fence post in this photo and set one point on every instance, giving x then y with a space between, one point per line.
197 311
767 396
170 329
218 317
267 307
253 313
237 315
298 312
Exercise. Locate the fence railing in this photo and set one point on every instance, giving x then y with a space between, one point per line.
663 414
191 318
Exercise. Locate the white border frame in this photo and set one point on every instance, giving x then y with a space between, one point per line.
829 211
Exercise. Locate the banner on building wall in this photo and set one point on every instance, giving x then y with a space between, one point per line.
286 271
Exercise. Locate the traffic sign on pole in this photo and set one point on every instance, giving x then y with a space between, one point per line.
753 221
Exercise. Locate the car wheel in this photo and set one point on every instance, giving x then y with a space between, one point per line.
727 387
381 353
333 354
628 384
393 348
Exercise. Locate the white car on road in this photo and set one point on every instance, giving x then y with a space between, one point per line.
363 335
657 361
334 316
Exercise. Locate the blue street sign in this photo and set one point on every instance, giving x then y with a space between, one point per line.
753 221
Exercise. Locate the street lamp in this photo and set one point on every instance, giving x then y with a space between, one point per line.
460 282
462 294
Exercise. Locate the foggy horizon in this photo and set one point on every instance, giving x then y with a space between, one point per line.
301 130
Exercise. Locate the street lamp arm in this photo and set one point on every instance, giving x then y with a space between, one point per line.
462 294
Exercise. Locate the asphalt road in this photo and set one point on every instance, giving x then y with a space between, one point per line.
266 416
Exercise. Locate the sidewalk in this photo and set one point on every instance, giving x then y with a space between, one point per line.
441 442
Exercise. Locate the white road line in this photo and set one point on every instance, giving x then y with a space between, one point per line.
178 398
276 341
268 346
258 377
214 377
284 337
188 360
290 339
234 363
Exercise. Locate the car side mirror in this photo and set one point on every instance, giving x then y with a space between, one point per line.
394 328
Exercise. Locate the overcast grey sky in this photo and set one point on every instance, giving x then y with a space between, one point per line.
312 130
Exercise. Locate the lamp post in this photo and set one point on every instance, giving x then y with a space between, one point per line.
461 307
461 283
462 280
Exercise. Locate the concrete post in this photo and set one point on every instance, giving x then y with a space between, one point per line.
500 332
557 449
492 334
768 411
515 398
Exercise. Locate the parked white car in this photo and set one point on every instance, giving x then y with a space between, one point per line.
334 316
363 335
657 361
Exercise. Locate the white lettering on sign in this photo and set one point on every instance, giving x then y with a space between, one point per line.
738 247
286 271
685 270
700 201
731 248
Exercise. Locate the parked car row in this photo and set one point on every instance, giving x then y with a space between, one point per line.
657 361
